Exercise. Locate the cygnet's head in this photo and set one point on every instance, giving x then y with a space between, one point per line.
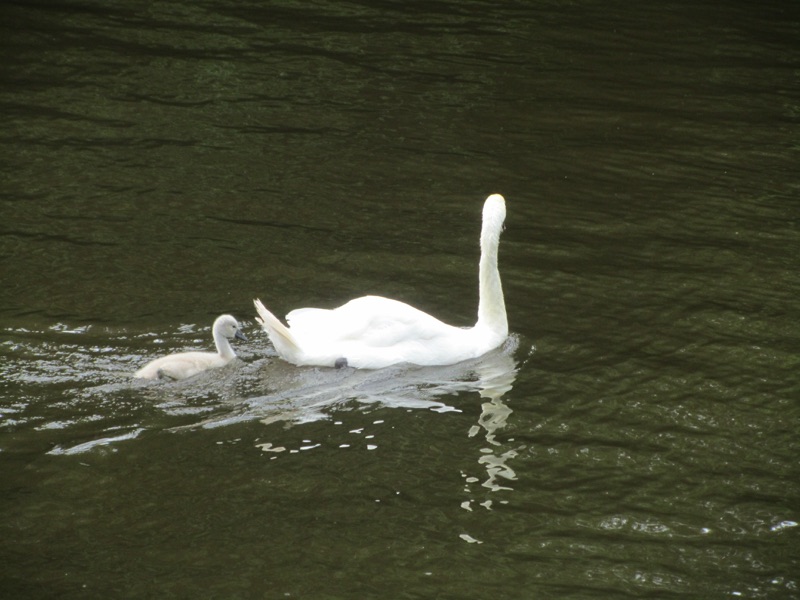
229 327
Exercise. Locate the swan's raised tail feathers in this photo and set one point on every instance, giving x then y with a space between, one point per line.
280 335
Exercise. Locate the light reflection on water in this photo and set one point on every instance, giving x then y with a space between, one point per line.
96 382
314 152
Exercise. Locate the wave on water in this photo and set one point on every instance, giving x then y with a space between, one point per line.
73 390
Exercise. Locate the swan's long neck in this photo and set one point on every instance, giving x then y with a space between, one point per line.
224 348
491 306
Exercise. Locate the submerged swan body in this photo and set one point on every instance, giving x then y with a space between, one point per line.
374 332
187 364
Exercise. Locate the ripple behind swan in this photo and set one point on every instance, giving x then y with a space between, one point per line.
76 393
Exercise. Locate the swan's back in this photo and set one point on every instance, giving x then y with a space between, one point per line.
181 366
373 321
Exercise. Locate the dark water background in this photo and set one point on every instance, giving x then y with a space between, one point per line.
164 162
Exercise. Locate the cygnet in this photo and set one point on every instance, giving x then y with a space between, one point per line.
187 364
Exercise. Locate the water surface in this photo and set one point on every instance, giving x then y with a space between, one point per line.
636 436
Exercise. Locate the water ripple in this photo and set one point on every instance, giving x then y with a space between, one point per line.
75 381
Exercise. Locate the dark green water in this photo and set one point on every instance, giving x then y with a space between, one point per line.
163 163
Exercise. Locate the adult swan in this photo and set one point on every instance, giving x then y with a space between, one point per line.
374 332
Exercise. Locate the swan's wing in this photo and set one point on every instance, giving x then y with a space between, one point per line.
188 364
308 319
315 328
370 321
181 365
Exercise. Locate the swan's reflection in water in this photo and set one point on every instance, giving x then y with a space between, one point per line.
235 394
496 378
304 394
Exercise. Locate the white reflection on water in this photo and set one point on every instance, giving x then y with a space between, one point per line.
496 379
75 394
305 394
92 444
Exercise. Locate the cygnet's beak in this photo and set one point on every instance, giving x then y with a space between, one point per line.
239 336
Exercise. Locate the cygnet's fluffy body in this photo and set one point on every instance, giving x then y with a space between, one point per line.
374 332
187 364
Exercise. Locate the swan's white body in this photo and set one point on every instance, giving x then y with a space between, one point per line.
187 364
374 332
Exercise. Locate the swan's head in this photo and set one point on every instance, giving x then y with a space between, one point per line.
494 212
228 327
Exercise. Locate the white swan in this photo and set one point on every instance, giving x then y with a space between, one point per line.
374 332
186 364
